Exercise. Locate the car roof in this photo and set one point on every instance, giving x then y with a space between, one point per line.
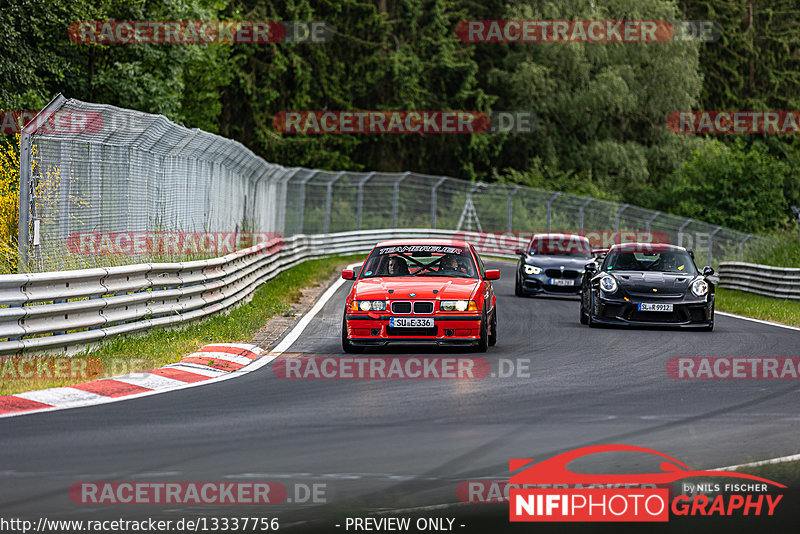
444 242
559 236
645 247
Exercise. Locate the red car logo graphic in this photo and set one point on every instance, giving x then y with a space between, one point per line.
554 470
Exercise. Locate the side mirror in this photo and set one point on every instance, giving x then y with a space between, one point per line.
707 271
492 274
520 251
348 274
591 267
691 253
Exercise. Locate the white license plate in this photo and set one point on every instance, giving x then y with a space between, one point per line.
411 322
644 306
561 282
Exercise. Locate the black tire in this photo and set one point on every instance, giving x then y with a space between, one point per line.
493 333
483 342
518 287
584 318
589 319
709 328
346 345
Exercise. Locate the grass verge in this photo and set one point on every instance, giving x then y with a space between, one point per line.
787 473
155 348
784 311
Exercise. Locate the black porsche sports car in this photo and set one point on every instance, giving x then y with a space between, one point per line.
649 285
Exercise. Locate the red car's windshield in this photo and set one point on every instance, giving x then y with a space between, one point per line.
420 260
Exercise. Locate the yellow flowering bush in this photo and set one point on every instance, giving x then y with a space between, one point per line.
9 203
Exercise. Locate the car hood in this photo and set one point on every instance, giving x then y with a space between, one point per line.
550 262
648 281
422 287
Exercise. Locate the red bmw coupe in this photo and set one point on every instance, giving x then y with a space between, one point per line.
433 291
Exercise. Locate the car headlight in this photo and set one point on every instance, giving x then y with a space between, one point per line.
699 287
458 305
368 305
532 269
608 284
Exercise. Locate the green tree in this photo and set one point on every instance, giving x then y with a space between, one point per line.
731 186
602 107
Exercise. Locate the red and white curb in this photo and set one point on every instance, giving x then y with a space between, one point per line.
210 362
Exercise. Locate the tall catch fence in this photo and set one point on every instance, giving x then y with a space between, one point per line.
131 172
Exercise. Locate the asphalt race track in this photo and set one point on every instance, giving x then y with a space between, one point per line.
397 444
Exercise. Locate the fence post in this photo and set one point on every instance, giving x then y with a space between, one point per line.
64 183
616 219
280 214
328 201
580 215
25 182
433 200
549 204
680 231
741 246
510 209
302 204
360 201
397 197
23 234
711 243
651 219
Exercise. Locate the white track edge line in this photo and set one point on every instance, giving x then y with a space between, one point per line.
760 321
290 338
779 460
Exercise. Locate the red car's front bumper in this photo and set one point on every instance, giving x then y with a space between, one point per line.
372 329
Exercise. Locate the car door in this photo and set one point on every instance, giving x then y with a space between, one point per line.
486 288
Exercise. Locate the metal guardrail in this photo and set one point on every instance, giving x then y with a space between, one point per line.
761 279
70 309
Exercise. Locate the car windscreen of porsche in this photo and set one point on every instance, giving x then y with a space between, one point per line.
664 262
420 260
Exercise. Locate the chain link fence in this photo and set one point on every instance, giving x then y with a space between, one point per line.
325 201
127 171
134 172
